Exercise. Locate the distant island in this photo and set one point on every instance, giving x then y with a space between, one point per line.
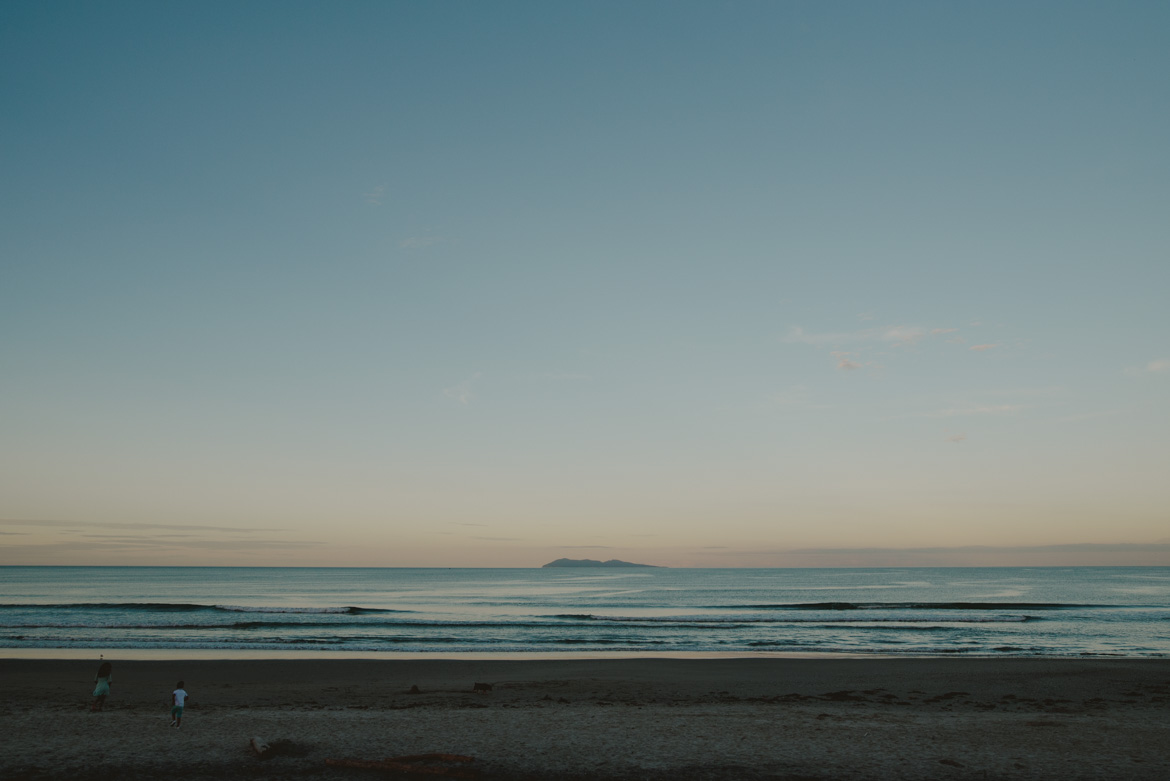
595 563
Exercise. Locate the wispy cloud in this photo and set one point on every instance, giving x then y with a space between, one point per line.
374 197
141 542
845 360
131 525
1156 366
132 537
850 346
956 437
967 555
982 347
902 334
1087 547
152 545
463 392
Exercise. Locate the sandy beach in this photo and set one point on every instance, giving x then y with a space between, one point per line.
604 719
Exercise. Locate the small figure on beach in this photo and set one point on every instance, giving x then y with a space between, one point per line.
101 689
178 697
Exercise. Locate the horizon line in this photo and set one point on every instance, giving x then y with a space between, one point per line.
604 569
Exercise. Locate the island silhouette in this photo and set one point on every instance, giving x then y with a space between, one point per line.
595 563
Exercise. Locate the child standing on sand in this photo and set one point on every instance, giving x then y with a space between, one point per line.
101 688
178 697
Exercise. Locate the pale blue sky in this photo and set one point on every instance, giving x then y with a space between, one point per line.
489 283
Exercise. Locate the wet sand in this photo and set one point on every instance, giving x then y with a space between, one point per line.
596 718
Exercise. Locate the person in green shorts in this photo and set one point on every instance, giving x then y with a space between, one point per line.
101 688
178 697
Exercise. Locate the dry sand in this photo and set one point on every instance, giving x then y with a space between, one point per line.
605 719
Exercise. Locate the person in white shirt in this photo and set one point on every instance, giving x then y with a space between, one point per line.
178 697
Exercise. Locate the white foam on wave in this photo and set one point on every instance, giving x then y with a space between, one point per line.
247 609
834 619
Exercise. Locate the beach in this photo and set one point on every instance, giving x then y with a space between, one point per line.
652 718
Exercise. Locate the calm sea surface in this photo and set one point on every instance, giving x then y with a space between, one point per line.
1077 611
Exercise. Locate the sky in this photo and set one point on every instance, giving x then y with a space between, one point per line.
709 284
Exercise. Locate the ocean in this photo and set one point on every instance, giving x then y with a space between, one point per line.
1057 612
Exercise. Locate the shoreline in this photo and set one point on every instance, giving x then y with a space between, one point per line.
243 654
577 718
227 655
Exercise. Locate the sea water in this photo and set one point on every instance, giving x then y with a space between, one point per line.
1059 611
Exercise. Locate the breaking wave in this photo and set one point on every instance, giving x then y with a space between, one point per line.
183 607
